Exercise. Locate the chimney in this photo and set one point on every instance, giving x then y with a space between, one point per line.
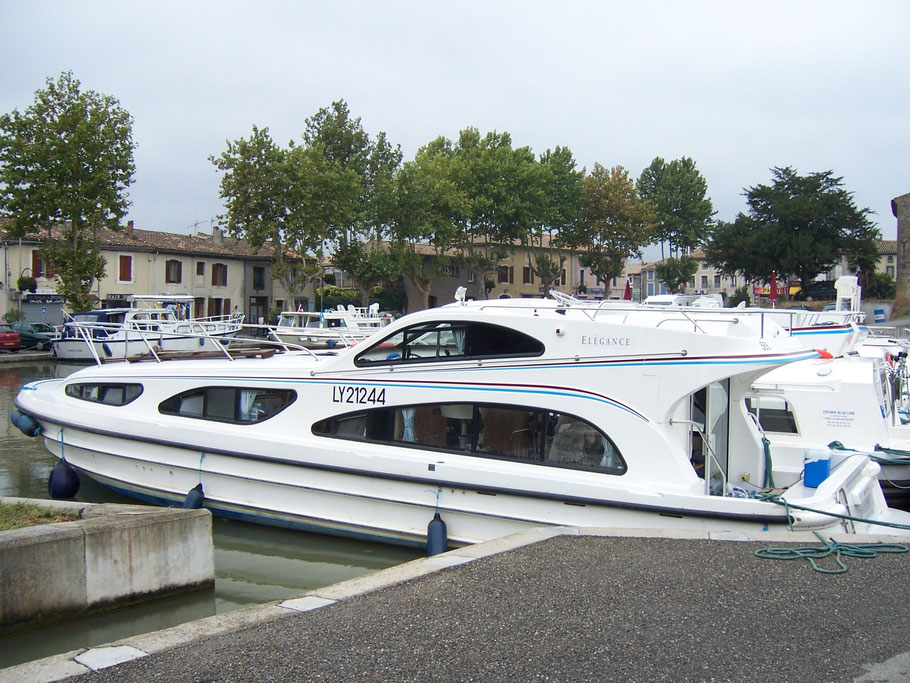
217 236
129 226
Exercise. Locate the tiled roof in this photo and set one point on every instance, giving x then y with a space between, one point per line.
133 239
887 247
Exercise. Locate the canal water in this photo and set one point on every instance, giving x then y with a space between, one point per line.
253 564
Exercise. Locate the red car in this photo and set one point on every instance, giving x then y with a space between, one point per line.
9 339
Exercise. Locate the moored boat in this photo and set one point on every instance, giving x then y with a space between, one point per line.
329 329
153 323
496 415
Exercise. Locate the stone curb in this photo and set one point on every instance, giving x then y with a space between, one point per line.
76 662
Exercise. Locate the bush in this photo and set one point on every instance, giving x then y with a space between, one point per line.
13 316
331 296
882 286
740 295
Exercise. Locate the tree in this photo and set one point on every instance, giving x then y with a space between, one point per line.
676 272
361 248
431 212
677 194
563 193
614 224
66 163
797 226
292 200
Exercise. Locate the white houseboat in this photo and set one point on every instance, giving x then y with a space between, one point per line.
497 415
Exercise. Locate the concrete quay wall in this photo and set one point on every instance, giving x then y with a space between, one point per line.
112 555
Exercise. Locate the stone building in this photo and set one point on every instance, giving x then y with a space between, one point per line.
219 272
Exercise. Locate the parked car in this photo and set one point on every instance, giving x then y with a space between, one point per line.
35 335
9 339
823 289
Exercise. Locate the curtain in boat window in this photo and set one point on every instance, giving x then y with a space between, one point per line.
407 416
247 398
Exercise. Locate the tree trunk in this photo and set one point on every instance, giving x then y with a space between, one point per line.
900 207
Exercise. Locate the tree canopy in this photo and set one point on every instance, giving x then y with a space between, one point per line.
615 222
796 226
677 193
66 163
292 199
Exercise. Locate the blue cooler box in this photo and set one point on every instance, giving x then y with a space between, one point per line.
816 466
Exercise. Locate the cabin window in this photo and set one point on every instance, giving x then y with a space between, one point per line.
773 414
237 405
505 432
450 341
109 394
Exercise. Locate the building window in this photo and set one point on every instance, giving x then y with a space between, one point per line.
506 274
470 276
890 259
733 281
258 278
39 269
651 275
200 268
125 270
173 271
581 276
704 281
527 276
890 270
650 289
717 281
219 275
452 270
562 278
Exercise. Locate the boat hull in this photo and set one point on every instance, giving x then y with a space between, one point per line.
396 507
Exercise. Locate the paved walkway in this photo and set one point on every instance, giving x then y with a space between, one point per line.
553 605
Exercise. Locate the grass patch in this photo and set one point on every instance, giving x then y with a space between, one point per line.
20 515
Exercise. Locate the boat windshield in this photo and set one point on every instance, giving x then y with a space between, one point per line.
450 341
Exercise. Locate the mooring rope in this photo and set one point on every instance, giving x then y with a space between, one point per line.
831 548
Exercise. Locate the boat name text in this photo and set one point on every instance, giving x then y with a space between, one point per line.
605 341
358 395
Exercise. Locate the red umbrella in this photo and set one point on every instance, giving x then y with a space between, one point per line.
627 295
772 295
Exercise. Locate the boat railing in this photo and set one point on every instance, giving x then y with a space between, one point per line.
789 319
711 461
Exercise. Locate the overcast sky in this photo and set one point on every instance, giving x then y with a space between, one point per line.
738 86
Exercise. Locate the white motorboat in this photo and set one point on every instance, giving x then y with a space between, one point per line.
329 329
153 323
495 415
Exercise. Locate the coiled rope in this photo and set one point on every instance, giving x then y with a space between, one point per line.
831 548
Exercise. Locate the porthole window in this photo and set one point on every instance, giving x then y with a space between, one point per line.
508 432
109 394
238 405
